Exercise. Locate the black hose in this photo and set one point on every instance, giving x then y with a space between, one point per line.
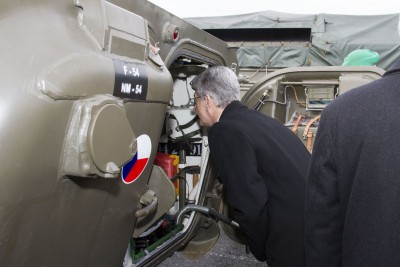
205 210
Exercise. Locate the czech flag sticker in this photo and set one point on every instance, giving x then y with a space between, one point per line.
134 167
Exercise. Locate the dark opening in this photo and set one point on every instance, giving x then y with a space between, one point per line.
262 34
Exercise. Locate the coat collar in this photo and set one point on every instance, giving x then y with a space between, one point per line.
395 67
231 108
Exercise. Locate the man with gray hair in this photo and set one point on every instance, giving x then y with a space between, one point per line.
262 165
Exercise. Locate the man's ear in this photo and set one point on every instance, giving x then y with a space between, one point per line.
208 100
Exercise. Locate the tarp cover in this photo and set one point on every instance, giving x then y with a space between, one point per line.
333 37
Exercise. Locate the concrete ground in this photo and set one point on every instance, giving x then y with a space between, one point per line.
224 253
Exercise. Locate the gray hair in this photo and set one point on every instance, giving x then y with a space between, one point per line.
220 83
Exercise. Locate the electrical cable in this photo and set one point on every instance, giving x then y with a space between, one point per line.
262 100
190 145
295 95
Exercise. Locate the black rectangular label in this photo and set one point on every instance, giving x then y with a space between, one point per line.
131 80
194 152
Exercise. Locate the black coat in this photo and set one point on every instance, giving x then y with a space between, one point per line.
353 187
263 167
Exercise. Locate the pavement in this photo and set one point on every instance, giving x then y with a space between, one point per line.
224 253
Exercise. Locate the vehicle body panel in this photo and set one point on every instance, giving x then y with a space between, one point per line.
81 82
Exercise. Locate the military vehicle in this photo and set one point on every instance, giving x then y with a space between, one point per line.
103 162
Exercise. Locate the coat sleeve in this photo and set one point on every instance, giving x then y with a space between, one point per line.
234 158
323 224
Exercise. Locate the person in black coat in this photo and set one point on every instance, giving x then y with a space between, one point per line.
262 165
352 215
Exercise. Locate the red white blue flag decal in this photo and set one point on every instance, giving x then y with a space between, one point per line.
134 168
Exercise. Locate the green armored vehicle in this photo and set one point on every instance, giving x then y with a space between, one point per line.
103 162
